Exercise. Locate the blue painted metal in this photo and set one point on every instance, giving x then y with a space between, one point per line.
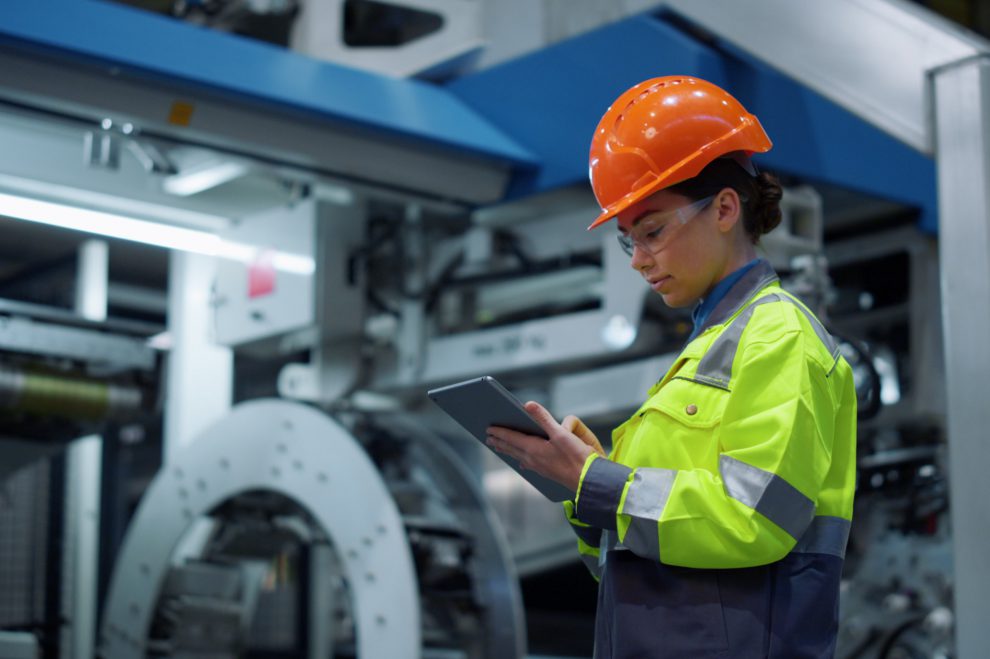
90 31
816 140
552 100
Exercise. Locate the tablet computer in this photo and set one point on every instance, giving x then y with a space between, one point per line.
482 402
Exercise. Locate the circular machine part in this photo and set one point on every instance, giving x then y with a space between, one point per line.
400 510
457 495
302 454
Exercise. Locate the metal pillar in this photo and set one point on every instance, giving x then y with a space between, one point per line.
320 625
83 476
200 373
962 132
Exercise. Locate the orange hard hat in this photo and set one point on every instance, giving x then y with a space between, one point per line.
664 131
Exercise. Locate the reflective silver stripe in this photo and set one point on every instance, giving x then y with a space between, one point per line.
593 564
715 367
826 535
768 494
591 535
645 500
830 343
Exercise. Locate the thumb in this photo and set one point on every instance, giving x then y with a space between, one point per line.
576 426
580 430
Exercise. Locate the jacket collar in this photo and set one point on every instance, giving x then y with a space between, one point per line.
751 283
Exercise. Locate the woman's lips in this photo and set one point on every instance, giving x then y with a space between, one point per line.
657 284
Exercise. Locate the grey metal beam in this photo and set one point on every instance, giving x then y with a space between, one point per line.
19 334
962 126
305 143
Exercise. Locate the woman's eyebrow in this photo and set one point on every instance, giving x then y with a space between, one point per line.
645 214
642 216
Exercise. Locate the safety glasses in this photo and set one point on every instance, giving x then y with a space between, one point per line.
655 230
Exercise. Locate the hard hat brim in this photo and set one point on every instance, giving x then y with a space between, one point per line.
632 198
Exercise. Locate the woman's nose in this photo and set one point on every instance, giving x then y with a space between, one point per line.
641 259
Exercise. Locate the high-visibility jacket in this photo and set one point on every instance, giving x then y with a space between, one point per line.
718 525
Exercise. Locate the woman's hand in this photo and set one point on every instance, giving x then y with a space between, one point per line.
560 458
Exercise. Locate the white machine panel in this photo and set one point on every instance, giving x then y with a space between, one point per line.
265 277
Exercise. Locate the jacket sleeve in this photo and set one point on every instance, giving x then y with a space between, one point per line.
774 453
589 537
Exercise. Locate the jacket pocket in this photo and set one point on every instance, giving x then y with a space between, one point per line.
678 427
690 403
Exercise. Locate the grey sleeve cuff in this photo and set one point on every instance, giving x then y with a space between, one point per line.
600 492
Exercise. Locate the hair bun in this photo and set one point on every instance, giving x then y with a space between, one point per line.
764 210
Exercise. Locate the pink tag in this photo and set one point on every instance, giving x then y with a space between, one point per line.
261 274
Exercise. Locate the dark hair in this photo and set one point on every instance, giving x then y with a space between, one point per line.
760 194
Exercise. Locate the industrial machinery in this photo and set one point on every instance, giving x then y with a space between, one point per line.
357 258
291 536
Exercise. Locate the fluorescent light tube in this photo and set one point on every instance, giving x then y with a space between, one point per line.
143 231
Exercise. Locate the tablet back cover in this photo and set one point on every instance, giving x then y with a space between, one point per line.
482 402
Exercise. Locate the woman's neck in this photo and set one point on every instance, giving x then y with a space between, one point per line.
738 259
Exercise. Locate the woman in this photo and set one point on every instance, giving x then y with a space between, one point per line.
717 525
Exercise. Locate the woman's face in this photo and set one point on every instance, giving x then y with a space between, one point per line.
692 252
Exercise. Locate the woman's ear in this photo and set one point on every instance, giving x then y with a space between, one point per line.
729 209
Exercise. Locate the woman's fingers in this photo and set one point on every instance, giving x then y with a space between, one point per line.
510 442
543 418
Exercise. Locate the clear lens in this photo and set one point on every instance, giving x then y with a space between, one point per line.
656 230
625 241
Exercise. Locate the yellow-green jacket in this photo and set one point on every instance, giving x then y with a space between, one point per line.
719 522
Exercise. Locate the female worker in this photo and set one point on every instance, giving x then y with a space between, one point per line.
717 525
